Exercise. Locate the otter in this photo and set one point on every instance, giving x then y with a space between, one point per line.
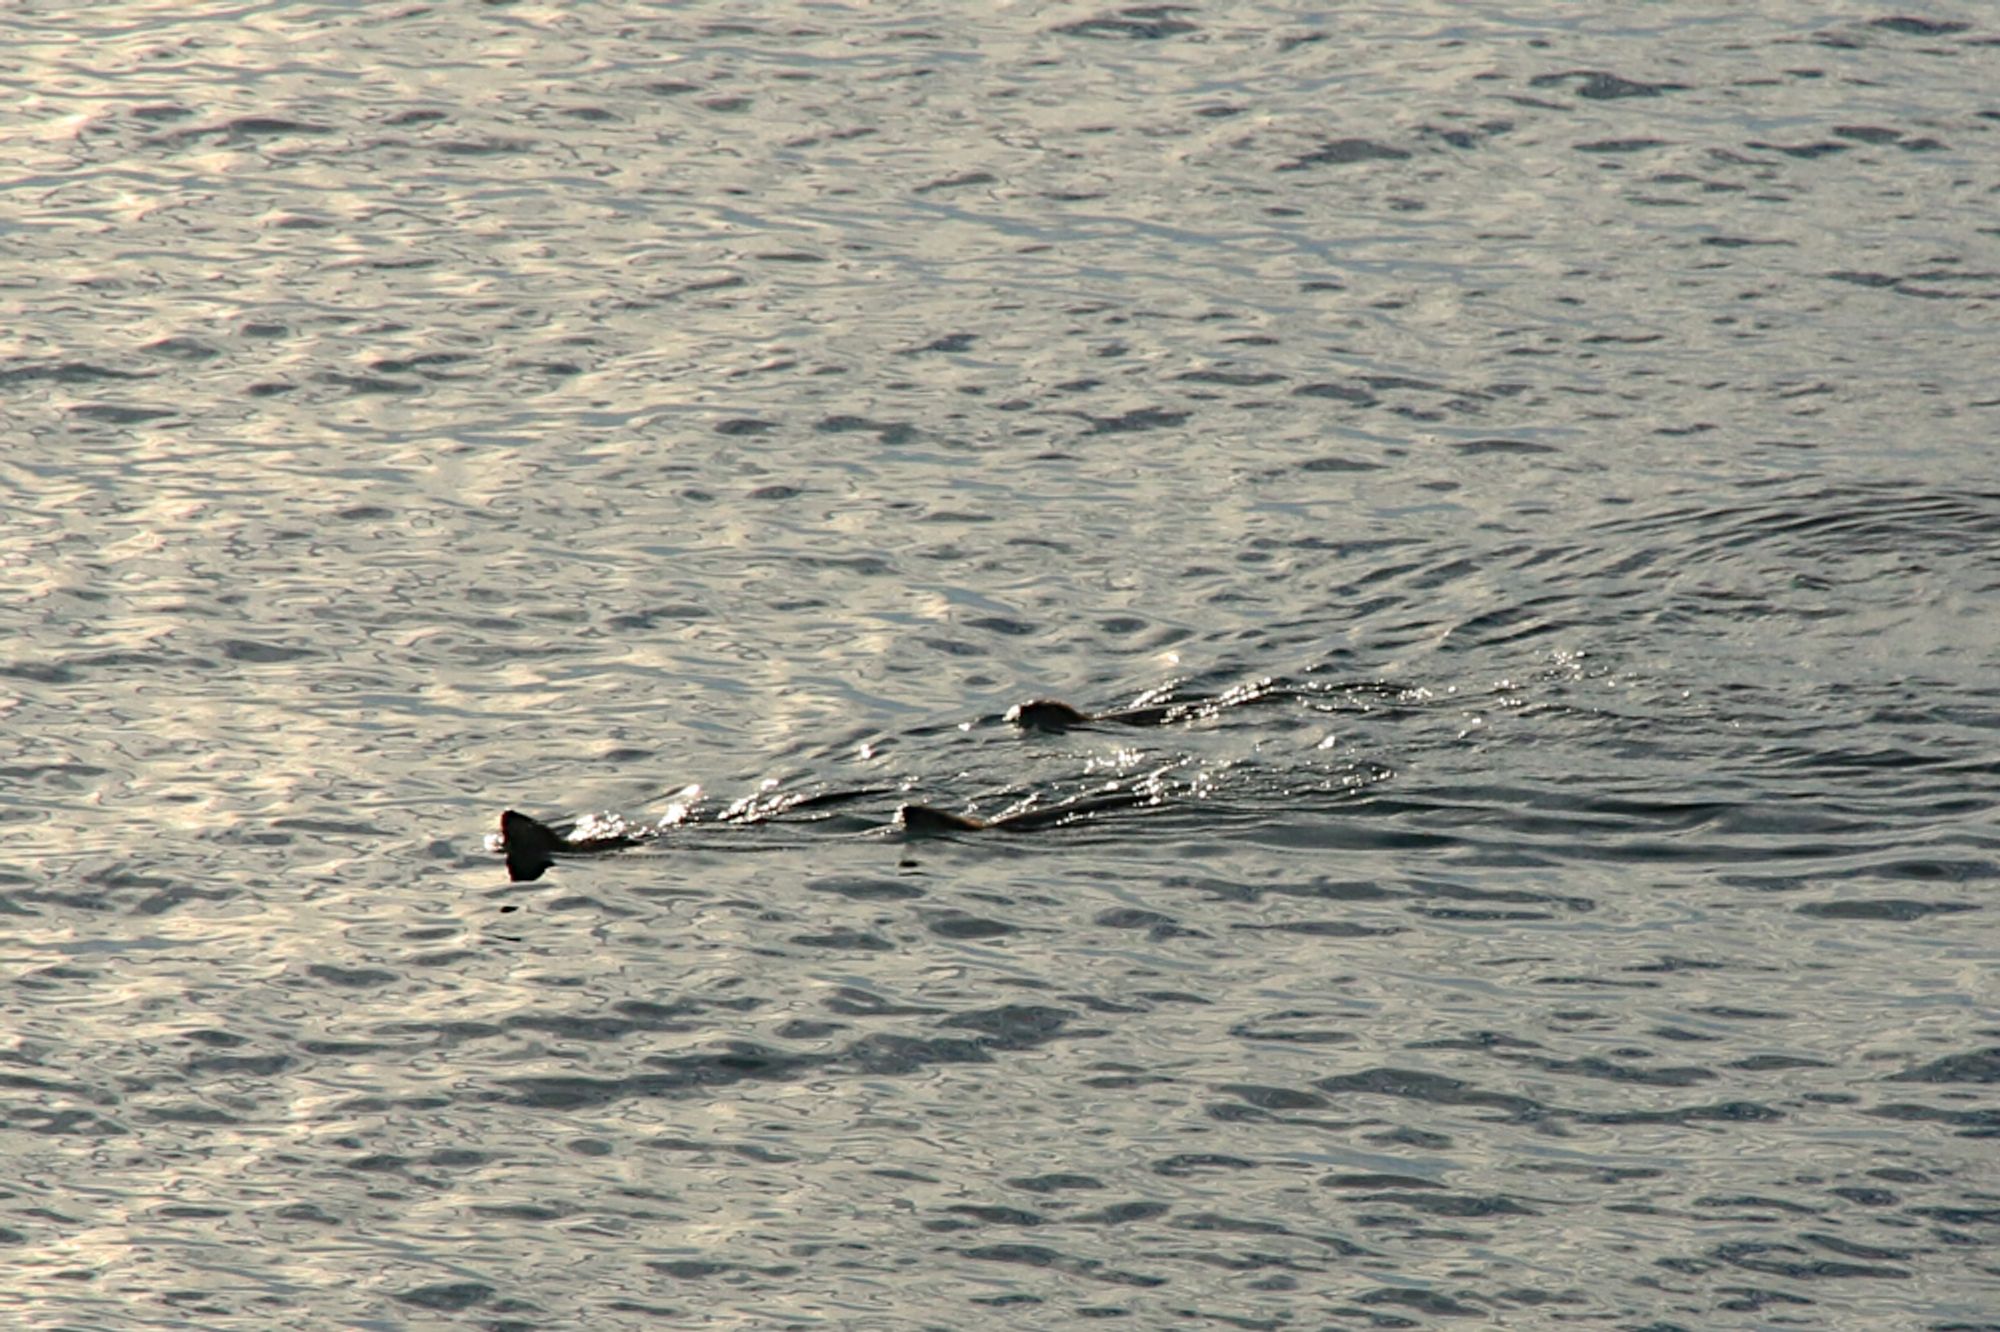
1047 714
531 846
930 821
1055 716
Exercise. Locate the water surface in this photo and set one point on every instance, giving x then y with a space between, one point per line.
1559 445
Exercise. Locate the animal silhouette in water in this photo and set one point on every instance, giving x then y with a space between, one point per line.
532 846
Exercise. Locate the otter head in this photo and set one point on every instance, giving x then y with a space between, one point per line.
1046 714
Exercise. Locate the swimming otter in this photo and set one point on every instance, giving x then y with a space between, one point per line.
1055 716
1047 714
927 820
532 845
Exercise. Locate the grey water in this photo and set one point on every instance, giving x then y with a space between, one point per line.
1549 449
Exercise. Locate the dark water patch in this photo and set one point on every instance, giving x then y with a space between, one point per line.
1158 927
1322 929
368 385
1185 1164
1731 1013
1523 896
1274 1098
110 413
182 349
63 776
1610 1071
867 890
351 978
886 432
1440 1203
336 828
1876 134
1887 909
964 340
1137 420
448 1296
987 1214
1149 23
1432 1302
1120 1214
1433 1089
1475 1040
1035 1255
1057 1183
1775 1063
1807 151
1338 464
1601 86
251 127
429 364
684 1075
192 1114
849 1001
1475 447
239 1066
1907 26
964 925
262 654
53 1123
1016 1026
1296 1027
1976 1066
1620 146
1777 1260
496 145
657 616
1232 378
1722 1112
1378 1181
1342 152
44 672
66 372
1360 397
845 939
950 343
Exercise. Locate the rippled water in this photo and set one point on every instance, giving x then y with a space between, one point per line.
1551 456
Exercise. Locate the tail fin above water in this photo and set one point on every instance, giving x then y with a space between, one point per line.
530 844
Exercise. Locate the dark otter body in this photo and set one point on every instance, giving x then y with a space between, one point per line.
929 821
1047 714
1054 716
532 845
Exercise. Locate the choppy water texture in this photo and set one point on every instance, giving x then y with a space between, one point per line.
1560 447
